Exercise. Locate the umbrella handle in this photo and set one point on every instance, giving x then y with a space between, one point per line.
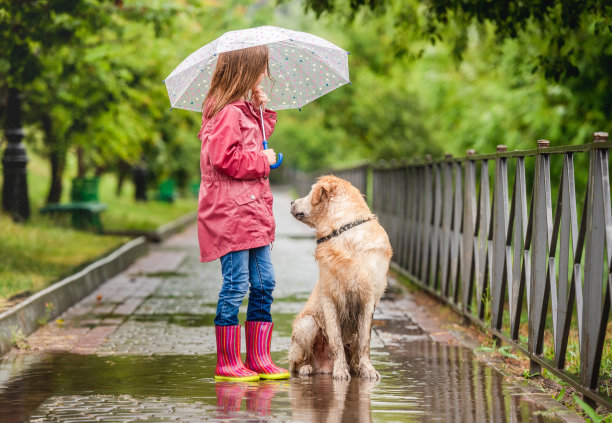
265 142
280 156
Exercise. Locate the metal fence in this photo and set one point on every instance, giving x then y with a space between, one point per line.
465 230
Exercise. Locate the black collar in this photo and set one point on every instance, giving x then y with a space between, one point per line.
344 228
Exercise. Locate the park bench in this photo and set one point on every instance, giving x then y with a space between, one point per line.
84 205
167 191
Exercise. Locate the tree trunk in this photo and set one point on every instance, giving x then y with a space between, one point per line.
123 172
57 159
100 170
81 166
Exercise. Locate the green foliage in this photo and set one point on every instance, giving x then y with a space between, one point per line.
91 77
470 74
49 307
588 410
561 394
528 375
18 338
504 73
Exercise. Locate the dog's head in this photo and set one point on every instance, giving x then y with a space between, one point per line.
330 199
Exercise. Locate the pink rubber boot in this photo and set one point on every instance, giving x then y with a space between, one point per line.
258 340
229 364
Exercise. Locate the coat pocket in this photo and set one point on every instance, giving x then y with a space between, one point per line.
252 193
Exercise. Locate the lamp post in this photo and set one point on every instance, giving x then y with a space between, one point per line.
15 200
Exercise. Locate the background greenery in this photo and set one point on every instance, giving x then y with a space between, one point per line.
428 77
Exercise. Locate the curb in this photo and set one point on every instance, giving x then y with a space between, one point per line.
23 319
163 232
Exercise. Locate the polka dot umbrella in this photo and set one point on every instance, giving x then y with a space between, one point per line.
302 66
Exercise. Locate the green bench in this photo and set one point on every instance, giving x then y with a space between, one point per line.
167 191
84 205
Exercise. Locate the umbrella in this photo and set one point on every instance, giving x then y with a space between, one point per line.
303 67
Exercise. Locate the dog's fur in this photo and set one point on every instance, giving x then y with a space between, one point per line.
332 333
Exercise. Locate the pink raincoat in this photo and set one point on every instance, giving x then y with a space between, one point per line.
235 201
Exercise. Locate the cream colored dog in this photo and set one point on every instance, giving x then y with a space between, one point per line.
332 333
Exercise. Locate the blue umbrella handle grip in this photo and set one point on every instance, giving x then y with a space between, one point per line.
280 156
278 162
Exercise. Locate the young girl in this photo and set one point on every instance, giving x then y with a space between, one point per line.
235 220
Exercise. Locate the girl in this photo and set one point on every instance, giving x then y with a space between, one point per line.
235 220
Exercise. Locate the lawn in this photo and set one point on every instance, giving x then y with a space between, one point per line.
43 251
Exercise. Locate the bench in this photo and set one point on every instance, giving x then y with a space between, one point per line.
166 191
84 205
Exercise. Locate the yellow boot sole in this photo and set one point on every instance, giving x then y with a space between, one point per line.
237 379
274 376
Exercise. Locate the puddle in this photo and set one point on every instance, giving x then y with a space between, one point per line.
421 381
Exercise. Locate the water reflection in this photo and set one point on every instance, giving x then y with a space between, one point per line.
323 399
421 381
257 396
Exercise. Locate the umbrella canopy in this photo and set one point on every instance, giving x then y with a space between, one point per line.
303 67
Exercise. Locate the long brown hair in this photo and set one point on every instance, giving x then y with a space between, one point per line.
236 72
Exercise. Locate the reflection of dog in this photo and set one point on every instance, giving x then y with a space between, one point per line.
323 399
332 332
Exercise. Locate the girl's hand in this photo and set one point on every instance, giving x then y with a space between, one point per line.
258 97
270 155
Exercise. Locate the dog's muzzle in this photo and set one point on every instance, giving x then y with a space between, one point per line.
297 214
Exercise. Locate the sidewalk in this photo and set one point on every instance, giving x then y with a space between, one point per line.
142 348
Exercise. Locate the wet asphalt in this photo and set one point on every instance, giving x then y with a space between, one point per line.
142 348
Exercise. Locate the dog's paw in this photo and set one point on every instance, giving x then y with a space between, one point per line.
306 370
366 370
341 371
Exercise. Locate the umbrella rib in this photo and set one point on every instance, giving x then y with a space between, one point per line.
331 67
286 77
210 60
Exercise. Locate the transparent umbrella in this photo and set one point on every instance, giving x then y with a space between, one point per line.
302 66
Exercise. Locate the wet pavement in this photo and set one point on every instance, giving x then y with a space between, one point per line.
142 348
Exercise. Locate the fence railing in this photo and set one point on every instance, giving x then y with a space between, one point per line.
466 230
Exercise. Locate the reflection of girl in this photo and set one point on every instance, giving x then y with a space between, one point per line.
235 220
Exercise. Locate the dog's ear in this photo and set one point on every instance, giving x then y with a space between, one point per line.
320 191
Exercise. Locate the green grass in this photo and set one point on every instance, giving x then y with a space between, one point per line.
123 213
42 251
36 254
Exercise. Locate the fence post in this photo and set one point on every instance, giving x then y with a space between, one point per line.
542 221
598 236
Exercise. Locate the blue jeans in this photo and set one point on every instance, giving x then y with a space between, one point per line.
242 269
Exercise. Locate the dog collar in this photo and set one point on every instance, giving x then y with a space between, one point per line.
344 228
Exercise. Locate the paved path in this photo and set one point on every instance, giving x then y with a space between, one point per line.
142 348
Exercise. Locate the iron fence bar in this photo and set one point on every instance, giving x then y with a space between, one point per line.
499 222
518 219
484 211
457 228
413 180
595 240
447 215
469 235
437 216
427 223
561 293
539 292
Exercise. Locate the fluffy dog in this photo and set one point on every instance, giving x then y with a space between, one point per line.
332 333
